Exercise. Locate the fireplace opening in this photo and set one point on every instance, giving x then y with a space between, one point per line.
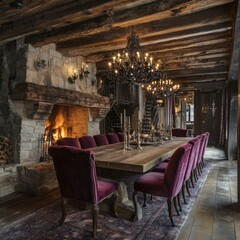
67 121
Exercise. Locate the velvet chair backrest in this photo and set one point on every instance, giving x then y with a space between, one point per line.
193 157
112 138
120 136
73 142
206 142
100 140
201 149
175 171
76 173
87 142
179 132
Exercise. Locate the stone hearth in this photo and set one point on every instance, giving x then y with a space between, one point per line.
29 96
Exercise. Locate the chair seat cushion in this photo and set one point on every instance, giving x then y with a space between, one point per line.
152 183
100 140
73 142
105 187
161 167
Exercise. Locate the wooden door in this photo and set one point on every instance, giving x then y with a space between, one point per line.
207 114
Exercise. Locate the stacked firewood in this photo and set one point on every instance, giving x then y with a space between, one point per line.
5 150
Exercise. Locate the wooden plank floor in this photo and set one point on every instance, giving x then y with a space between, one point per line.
18 205
214 215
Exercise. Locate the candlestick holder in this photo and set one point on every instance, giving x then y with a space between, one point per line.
170 132
160 139
128 147
139 135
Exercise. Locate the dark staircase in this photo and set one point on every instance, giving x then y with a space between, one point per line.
147 118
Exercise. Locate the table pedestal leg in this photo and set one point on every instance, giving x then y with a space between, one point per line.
126 204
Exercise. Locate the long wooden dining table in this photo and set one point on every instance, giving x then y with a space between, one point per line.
113 158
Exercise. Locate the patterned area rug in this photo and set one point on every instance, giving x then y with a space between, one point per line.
155 224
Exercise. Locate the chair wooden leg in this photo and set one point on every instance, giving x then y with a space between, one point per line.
115 200
187 187
179 203
95 213
198 170
191 179
144 199
175 206
64 211
195 174
183 192
169 202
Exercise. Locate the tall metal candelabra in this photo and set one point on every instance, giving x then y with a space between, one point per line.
126 130
170 131
160 139
139 135
128 134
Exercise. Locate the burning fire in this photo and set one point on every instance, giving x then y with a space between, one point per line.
55 129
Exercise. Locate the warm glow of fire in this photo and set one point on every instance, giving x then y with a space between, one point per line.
66 121
57 128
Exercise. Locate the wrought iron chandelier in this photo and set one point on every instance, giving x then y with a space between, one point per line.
132 65
162 87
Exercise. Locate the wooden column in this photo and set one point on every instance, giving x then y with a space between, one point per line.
232 123
238 144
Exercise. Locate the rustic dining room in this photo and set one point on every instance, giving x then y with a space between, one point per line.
119 119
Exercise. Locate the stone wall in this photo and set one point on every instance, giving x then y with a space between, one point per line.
20 63
57 70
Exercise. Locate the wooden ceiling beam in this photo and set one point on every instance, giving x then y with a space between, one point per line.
63 15
151 32
187 51
198 71
173 65
200 77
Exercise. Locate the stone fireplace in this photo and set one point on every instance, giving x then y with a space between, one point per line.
37 100
67 121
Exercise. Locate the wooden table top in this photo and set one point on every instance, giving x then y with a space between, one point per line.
115 157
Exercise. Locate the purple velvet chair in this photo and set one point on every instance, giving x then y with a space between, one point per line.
76 174
166 185
112 138
69 142
87 142
100 140
179 132
193 157
205 145
200 157
120 136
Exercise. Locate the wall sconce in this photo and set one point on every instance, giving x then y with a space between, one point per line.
73 78
41 64
212 109
83 72
79 74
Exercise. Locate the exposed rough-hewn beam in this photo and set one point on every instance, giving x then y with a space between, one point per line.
199 71
203 77
160 10
59 16
150 32
181 51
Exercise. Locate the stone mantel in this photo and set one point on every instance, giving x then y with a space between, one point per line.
55 95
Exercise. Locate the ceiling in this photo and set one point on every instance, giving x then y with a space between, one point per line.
193 37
